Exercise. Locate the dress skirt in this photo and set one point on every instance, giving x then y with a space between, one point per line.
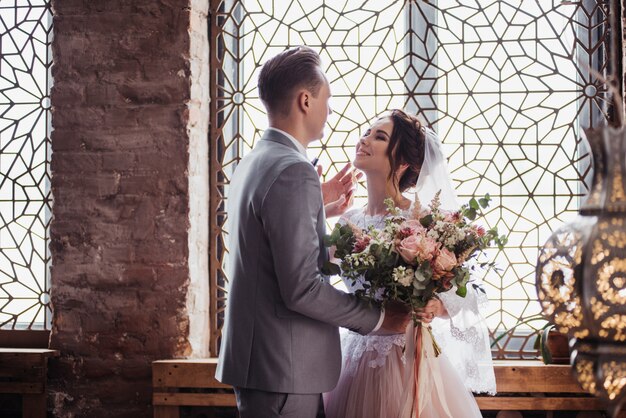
378 380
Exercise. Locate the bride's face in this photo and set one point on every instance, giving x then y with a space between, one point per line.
371 150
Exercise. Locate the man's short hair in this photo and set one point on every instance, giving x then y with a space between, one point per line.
286 72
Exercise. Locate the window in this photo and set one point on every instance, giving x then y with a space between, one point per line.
505 85
25 59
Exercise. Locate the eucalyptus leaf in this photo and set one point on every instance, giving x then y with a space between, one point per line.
461 291
328 241
330 269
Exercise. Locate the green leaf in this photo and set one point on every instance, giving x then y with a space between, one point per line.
546 355
471 214
328 241
474 204
330 269
426 220
484 203
461 291
537 342
498 338
527 320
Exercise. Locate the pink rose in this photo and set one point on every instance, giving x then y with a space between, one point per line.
404 233
416 226
410 227
445 261
361 243
417 247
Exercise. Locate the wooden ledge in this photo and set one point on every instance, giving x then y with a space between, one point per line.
39 351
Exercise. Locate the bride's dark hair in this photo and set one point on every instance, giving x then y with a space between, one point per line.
406 146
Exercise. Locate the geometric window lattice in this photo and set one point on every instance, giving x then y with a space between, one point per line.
507 87
25 199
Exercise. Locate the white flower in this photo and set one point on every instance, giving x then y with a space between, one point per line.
403 275
434 234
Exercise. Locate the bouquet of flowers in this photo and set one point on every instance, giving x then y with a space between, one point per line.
414 257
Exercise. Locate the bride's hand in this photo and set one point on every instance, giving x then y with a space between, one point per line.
341 184
434 308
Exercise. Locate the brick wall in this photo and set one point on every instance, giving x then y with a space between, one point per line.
129 157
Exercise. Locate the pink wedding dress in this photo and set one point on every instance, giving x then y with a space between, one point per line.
378 373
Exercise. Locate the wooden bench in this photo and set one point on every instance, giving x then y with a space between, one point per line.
522 386
526 385
24 371
189 382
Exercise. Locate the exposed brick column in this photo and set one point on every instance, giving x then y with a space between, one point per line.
129 170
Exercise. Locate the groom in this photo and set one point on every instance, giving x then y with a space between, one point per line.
280 341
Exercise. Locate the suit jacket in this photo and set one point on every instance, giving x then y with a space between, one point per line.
282 316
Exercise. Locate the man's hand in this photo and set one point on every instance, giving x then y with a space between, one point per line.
397 318
338 192
339 207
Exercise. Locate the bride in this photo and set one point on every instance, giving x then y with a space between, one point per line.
382 375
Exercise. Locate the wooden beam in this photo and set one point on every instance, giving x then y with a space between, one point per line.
26 338
534 376
161 411
21 387
197 373
21 351
195 399
511 403
34 405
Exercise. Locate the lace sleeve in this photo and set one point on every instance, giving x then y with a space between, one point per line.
464 338
343 219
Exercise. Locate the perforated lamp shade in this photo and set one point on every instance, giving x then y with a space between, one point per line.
581 274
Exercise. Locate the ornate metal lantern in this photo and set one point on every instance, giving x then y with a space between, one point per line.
581 274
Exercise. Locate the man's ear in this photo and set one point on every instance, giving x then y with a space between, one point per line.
304 101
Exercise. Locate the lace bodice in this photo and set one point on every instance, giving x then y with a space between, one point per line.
463 336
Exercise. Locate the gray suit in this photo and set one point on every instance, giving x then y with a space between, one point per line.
282 316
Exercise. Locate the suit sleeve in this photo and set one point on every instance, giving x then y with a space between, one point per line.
289 213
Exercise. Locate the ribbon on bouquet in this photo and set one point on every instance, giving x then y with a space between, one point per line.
416 367
413 354
420 352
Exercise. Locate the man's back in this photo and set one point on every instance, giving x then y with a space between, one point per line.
266 345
